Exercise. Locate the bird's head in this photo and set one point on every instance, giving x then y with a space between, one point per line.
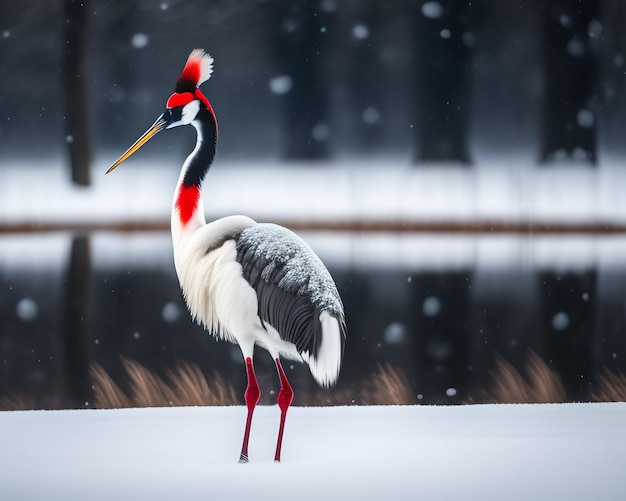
183 105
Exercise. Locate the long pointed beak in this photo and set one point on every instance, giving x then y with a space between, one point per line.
157 126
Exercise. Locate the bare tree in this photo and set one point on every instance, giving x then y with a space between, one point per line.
298 42
570 75
76 87
443 45
76 321
567 321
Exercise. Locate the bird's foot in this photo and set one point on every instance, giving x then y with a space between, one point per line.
243 458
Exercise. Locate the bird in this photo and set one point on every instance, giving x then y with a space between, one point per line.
253 284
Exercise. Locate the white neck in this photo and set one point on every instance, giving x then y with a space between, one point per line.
182 231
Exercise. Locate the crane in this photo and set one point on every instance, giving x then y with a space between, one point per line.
246 282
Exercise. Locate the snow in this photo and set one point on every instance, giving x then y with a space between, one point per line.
139 40
27 309
497 189
280 84
565 451
595 28
500 189
468 39
576 47
585 118
320 132
284 259
360 32
370 115
433 10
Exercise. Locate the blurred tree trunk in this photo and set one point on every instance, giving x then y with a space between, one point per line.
366 75
610 36
439 319
76 319
567 325
298 43
120 31
609 341
570 74
444 45
504 321
76 87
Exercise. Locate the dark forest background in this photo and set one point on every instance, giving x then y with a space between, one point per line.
413 82
317 79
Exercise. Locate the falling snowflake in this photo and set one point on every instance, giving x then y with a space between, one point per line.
585 118
371 115
27 309
280 84
431 306
320 132
432 10
360 32
139 40
170 312
560 321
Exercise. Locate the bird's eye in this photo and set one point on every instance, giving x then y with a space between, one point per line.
176 114
173 116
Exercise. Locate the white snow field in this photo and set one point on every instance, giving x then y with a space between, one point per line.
471 452
511 189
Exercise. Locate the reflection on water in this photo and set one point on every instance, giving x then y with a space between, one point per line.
438 307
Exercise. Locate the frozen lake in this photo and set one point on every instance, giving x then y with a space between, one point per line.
439 306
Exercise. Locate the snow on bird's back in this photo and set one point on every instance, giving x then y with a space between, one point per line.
302 272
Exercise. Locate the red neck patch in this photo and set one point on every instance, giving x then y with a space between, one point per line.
187 202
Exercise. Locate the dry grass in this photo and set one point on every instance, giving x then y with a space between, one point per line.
184 385
17 403
610 387
538 384
22 402
387 386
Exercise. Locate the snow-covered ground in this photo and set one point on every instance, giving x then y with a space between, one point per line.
486 452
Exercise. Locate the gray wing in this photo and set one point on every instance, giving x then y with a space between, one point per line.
292 285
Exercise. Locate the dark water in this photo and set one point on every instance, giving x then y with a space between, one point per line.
439 308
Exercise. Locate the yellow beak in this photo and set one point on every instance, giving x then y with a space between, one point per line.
157 126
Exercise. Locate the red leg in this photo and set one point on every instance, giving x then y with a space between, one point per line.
252 396
285 396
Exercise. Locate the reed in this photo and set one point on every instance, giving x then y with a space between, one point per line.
610 387
185 385
386 386
537 384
